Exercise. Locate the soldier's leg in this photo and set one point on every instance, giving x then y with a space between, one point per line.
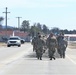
33 48
40 54
53 54
63 53
58 50
50 54
37 54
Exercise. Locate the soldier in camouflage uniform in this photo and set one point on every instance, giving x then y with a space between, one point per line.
34 43
39 49
44 39
51 44
59 39
62 45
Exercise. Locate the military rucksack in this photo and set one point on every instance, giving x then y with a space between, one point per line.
62 44
52 42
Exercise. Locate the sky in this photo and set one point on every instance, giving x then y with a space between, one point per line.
52 13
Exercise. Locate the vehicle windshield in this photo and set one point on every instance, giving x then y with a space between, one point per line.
14 39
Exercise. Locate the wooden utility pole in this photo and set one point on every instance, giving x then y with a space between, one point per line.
18 22
6 19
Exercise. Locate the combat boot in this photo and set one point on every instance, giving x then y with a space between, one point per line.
50 58
54 58
63 56
40 58
60 56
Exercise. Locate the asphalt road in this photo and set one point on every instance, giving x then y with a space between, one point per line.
22 61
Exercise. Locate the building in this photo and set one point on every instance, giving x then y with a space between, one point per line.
5 35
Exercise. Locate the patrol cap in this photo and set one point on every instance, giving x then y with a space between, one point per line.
39 36
38 33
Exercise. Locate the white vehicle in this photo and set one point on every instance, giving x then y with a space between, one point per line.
14 41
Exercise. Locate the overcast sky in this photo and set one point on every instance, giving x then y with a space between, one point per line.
52 13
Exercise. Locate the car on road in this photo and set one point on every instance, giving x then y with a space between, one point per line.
14 41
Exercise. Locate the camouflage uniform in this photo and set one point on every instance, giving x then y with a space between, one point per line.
62 47
39 49
59 39
51 44
44 45
34 43
62 44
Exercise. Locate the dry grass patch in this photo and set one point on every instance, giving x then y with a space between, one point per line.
2 44
72 45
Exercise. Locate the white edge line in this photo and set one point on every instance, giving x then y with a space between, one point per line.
71 59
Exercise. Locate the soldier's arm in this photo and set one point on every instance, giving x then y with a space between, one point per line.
32 41
56 43
66 43
47 42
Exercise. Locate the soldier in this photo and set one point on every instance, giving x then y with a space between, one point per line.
51 44
44 46
39 49
59 39
62 45
34 43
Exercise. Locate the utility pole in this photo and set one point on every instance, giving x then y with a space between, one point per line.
18 22
6 19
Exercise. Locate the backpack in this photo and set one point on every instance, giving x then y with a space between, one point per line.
52 42
62 44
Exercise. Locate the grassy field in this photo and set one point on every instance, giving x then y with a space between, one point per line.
2 44
72 45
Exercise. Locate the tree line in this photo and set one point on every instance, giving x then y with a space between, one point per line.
37 27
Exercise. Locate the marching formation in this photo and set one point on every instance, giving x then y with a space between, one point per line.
52 43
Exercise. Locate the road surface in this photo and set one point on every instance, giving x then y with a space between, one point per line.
22 61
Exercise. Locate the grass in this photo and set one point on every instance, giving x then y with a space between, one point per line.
2 44
72 45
